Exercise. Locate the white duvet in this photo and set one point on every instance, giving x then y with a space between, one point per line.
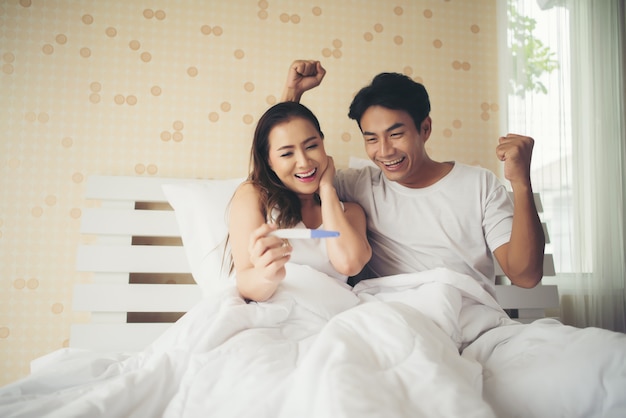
387 348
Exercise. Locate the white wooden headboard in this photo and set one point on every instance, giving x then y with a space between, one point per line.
141 278
121 228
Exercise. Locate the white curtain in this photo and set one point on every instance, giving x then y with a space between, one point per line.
579 160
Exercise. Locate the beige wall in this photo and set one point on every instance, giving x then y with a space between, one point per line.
173 89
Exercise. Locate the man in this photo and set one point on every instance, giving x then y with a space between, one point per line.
422 213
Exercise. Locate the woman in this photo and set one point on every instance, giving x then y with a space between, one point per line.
291 186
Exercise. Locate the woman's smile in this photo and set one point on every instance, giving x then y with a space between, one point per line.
307 177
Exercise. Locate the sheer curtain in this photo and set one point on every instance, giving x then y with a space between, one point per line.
564 84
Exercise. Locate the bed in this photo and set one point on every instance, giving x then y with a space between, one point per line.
142 274
169 336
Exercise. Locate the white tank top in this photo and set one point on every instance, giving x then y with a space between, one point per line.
312 252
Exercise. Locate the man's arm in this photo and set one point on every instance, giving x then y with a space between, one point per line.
303 75
521 258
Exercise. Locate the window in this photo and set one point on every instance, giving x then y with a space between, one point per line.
538 102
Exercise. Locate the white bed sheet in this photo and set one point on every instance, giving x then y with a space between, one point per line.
389 347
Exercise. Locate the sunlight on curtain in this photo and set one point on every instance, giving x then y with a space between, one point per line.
564 87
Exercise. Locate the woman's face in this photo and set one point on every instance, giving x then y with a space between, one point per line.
297 155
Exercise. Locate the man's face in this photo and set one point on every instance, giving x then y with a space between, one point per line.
394 144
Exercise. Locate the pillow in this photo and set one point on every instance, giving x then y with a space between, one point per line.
201 212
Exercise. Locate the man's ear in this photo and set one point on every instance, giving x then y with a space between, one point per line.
426 127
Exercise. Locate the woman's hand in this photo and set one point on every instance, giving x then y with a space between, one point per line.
258 258
328 176
303 75
268 253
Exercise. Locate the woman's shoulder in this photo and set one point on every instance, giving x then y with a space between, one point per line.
352 207
246 201
246 191
349 205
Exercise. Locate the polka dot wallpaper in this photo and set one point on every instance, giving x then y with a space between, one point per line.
174 89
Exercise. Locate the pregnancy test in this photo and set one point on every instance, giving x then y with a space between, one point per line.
299 233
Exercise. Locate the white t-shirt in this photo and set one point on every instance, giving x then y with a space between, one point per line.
455 223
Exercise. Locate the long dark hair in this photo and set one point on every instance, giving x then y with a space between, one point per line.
274 194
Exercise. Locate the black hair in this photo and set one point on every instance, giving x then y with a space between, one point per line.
393 91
